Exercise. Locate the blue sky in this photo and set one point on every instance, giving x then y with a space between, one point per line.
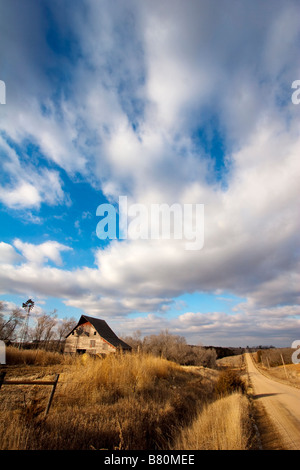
162 102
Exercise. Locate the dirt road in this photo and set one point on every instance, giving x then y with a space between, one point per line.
281 402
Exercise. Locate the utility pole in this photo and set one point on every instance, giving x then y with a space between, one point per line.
284 366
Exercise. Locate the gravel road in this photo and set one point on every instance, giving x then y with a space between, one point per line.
281 403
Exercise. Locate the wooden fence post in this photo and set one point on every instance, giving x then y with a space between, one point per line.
284 367
52 394
2 376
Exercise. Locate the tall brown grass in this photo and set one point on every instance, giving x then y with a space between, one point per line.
116 376
15 356
222 425
229 381
124 401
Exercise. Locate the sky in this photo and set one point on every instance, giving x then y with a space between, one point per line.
163 102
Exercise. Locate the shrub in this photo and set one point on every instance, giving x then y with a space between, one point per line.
258 356
228 382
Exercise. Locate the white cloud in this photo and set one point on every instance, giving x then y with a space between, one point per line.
25 195
39 254
94 292
29 186
8 255
217 328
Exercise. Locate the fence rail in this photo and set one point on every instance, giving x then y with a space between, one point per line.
32 382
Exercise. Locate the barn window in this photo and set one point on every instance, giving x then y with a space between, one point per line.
95 332
92 343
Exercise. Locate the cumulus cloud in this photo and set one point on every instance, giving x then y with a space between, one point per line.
8 254
39 254
27 186
215 328
93 291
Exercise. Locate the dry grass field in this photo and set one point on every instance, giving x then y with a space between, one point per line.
222 425
122 402
277 364
290 373
232 362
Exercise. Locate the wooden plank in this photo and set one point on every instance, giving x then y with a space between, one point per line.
28 382
32 382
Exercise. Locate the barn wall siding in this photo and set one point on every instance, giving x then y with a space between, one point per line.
85 337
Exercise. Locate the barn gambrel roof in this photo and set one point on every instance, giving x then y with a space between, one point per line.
104 331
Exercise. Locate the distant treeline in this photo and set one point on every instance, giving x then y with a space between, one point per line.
226 351
175 348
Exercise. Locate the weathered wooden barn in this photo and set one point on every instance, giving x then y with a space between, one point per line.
93 336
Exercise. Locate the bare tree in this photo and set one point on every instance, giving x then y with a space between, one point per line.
135 341
43 332
205 357
9 323
174 348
